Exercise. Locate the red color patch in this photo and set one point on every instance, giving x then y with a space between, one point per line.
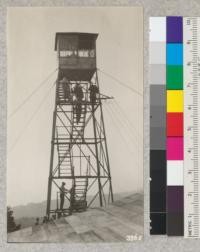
174 124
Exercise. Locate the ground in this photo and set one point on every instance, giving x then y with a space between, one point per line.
118 222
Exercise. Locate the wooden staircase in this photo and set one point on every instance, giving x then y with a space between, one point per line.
79 202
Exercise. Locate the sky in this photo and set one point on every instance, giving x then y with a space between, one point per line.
31 59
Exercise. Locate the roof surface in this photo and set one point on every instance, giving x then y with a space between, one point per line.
80 34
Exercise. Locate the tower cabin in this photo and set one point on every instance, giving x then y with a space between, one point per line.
76 55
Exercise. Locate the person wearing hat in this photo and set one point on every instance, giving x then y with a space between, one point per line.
63 190
66 88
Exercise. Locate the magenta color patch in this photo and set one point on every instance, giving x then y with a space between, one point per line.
174 148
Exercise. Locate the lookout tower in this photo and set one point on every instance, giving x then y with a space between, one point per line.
79 174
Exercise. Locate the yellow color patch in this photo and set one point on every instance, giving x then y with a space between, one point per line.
174 101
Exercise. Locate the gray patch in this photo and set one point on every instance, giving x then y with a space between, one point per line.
158 138
157 74
154 57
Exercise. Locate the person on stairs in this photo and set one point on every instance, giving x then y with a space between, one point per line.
66 88
78 91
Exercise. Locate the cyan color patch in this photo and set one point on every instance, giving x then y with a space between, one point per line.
174 54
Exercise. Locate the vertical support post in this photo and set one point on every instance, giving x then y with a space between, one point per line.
102 119
97 157
51 158
57 201
80 162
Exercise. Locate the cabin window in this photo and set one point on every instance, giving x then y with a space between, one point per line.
68 53
86 53
83 53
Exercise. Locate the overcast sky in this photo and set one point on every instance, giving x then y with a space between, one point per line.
31 58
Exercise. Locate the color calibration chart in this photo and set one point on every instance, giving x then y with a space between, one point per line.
174 46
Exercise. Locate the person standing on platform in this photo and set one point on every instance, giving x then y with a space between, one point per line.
66 89
93 93
63 190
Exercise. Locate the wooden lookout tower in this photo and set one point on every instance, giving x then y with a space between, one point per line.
79 174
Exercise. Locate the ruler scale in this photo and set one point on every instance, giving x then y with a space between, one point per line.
192 127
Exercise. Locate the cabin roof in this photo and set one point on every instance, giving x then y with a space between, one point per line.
89 36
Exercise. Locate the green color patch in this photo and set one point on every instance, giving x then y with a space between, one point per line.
174 77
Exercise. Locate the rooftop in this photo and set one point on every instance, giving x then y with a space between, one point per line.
82 35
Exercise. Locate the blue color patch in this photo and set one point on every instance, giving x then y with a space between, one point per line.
174 54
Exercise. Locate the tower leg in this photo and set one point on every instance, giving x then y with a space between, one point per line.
51 167
97 157
106 148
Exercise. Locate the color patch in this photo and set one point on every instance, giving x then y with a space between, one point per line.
174 101
174 29
154 56
158 161
175 224
175 199
174 124
174 77
157 74
174 148
157 118
158 223
174 173
157 29
157 95
158 183
174 54
157 138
